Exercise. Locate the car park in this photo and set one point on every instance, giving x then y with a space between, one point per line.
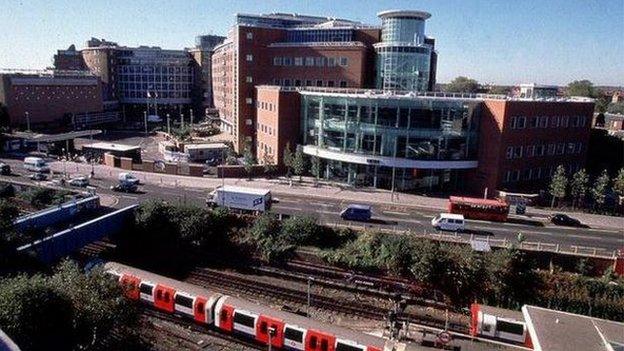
79 182
564 220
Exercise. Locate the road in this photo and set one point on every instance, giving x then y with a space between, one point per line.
384 216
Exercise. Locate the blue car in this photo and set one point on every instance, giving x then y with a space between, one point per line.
356 213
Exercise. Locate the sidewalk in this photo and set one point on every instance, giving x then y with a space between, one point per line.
323 191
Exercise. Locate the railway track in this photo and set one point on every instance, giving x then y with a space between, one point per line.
235 284
206 330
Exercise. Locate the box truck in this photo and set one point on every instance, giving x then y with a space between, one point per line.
240 198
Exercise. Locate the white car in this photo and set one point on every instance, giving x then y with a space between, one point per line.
128 178
449 221
79 182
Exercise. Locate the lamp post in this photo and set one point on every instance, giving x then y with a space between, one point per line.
27 115
168 125
182 120
145 121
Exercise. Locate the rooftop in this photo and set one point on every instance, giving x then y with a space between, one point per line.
241 189
404 13
111 146
562 331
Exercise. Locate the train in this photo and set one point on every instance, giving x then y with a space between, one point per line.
499 324
281 329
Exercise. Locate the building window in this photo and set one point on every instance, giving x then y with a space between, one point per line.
297 82
277 61
544 122
510 152
287 61
286 82
540 150
571 148
560 148
248 79
298 61
249 57
530 150
343 84
276 81
308 83
319 61
527 174
575 121
330 83
249 101
583 121
249 35
248 121
331 62
565 121
554 121
518 122
551 149
579 147
534 122
517 152
319 83
309 61
343 61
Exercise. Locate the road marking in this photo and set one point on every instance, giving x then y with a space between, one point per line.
130 197
396 213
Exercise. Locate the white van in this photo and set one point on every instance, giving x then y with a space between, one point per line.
449 221
36 164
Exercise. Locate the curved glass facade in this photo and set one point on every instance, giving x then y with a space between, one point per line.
403 58
364 139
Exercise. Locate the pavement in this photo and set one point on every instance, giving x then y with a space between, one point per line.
396 211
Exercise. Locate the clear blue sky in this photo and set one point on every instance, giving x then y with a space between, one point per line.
498 41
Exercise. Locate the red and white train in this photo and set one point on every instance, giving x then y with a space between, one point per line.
232 315
499 324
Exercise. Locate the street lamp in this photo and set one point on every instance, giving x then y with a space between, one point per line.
168 125
145 120
27 115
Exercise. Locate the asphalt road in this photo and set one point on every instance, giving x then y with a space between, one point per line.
384 216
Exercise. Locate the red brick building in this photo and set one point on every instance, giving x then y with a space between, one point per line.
278 122
522 142
49 98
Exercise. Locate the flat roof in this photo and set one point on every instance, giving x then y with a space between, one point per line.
242 189
563 331
404 13
48 138
111 146
206 146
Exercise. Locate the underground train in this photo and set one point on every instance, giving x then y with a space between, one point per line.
499 324
283 330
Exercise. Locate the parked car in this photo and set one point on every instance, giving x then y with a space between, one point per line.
128 178
5 169
564 220
38 176
79 182
126 187
449 221
357 213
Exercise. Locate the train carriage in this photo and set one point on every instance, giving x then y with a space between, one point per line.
283 330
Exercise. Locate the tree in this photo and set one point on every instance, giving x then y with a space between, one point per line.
599 191
288 160
581 88
462 85
499 89
248 160
578 186
315 167
558 185
299 162
618 182
616 107
269 166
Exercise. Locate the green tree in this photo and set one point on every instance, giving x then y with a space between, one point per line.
599 191
8 213
499 89
288 159
558 185
581 88
618 182
315 167
299 162
302 230
269 166
248 160
462 85
578 186
266 239
7 190
616 107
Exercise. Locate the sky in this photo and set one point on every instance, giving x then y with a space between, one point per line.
492 41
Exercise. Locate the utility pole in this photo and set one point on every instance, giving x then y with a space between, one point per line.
191 118
182 120
168 125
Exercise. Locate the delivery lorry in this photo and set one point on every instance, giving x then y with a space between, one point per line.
240 198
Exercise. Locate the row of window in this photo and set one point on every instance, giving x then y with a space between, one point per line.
155 69
263 105
154 78
520 122
266 148
266 129
157 87
161 95
544 149
318 61
287 82
537 173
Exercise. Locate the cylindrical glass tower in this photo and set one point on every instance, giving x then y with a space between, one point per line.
403 58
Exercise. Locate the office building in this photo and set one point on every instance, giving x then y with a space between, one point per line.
290 50
424 140
202 67
48 99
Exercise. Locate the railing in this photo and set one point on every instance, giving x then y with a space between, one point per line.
501 243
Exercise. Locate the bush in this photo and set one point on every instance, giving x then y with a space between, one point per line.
302 230
6 190
40 198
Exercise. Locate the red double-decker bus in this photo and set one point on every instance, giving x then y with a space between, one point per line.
475 208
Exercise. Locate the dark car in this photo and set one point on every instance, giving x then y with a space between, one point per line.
5 169
357 213
563 219
38 176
